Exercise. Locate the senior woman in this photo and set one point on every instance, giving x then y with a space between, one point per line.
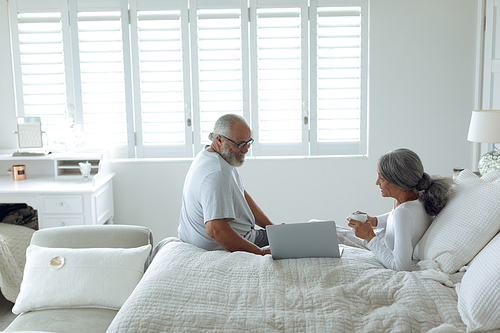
417 199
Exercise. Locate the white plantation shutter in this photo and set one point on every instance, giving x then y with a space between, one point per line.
219 38
103 109
42 64
39 60
148 78
338 102
161 92
160 62
279 38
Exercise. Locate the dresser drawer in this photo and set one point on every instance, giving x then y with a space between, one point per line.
62 204
61 221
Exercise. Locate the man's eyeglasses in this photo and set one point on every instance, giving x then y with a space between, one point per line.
239 145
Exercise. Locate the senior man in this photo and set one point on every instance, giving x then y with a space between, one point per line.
217 213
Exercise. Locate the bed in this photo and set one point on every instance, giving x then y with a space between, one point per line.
192 290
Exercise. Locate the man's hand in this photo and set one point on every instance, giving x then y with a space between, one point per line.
265 250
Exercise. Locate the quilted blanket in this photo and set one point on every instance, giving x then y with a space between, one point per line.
14 240
192 290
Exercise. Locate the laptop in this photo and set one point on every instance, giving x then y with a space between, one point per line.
304 240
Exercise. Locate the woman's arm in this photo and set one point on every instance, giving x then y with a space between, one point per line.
382 220
400 258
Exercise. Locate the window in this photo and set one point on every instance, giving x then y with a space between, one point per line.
338 84
218 71
39 61
161 72
149 78
161 81
102 78
280 77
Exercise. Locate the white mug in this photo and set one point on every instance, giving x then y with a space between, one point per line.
358 217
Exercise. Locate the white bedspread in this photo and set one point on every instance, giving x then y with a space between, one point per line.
191 290
13 243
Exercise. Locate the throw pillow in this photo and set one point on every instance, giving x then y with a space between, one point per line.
79 278
466 224
479 291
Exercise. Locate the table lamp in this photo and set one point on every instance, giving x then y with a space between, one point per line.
485 127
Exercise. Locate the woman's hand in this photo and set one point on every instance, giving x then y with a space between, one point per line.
373 220
363 230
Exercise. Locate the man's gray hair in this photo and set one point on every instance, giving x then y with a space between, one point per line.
224 124
403 168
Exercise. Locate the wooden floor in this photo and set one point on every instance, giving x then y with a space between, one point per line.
6 315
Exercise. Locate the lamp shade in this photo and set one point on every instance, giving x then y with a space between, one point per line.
485 126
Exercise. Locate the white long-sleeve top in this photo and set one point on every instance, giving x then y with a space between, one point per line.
404 225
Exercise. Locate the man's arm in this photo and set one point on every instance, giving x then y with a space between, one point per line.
260 218
224 235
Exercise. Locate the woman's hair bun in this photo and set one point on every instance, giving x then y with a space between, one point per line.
424 183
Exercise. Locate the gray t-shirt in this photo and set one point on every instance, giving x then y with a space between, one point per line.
213 189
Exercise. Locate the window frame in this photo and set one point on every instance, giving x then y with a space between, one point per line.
172 150
309 144
345 148
280 149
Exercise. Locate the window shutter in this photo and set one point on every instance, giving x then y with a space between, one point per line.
338 115
154 86
162 90
218 37
280 40
100 51
39 60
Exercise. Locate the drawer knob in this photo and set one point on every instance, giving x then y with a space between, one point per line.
63 224
61 204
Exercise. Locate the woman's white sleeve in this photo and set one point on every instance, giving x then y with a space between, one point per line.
400 259
382 220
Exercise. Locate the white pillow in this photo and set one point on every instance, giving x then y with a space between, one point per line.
479 291
466 224
89 278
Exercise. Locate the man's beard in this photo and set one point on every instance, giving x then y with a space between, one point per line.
230 157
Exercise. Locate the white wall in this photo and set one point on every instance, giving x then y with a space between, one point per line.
422 60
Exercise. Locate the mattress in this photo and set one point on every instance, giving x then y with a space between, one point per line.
192 290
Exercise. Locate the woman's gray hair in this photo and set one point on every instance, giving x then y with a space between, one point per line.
403 168
224 124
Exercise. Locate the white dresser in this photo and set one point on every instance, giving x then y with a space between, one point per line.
54 187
